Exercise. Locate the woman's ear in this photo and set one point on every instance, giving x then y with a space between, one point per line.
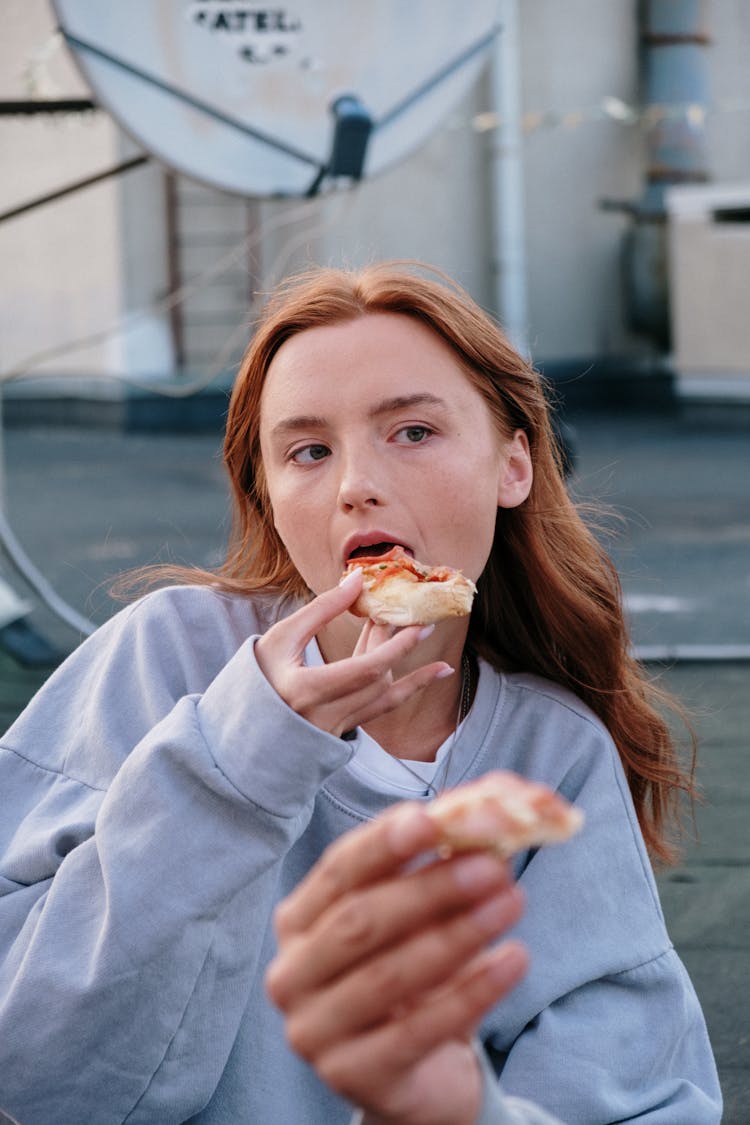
516 472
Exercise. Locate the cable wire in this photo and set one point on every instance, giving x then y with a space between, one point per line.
198 284
38 583
8 540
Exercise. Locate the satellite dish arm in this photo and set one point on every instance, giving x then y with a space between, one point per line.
351 132
353 125
195 103
445 72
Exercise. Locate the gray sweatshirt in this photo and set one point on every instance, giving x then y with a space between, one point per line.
159 798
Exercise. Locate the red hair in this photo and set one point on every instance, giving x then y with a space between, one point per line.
549 600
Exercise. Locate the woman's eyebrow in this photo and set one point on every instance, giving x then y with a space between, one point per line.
402 402
298 422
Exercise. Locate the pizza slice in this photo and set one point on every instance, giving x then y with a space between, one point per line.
503 813
398 590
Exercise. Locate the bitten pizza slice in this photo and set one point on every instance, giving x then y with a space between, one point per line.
398 590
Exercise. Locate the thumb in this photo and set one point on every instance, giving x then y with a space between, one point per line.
323 609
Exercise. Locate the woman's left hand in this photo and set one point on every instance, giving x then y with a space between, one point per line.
384 972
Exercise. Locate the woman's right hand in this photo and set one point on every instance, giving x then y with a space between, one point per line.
339 696
386 966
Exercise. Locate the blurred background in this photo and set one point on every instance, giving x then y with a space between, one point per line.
583 169
587 180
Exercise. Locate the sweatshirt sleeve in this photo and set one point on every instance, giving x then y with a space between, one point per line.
498 1109
137 878
628 1047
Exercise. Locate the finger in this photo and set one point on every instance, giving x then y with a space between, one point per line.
333 682
379 848
377 697
351 683
375 703
373 635
451 1014
370 920
363 638
301 626
398 978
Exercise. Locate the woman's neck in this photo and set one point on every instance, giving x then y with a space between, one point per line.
418 728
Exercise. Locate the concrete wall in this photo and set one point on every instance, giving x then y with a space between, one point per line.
71 269
59 265
573 55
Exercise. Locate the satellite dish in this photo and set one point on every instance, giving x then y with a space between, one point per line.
274 101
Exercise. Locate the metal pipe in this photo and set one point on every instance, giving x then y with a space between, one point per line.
508 184
673 41
674 74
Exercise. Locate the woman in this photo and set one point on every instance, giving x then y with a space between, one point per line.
172 789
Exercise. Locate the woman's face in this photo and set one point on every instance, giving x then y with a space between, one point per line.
372 435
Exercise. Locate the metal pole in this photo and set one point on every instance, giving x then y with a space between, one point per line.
674 67
508 183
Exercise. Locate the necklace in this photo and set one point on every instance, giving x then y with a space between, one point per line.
464 705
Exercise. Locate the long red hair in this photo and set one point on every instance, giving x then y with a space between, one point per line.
549 600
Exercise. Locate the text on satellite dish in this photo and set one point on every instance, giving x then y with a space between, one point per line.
259 34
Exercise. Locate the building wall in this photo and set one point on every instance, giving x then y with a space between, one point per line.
71 269
728 125
572 56
79 266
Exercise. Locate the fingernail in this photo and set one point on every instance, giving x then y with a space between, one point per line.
444 672
425 632
478 872
350 576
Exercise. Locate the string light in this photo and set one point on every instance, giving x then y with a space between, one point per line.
612 108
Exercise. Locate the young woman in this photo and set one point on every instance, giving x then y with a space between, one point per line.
217 908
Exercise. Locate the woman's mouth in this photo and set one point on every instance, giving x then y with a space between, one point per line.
373 550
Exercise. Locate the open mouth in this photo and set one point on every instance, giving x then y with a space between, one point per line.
373 550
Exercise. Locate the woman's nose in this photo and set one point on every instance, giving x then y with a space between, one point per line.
359 486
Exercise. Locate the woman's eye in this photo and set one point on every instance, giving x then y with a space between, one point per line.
310 453
414 434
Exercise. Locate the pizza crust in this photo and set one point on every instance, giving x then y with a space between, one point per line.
401 601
